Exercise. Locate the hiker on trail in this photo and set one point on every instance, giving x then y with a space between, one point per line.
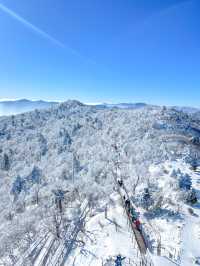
118 261
128 204
137 224
133 218
120 182
133 214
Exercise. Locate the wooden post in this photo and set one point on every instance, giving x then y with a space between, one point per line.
57 227
159 248
106 212
60 205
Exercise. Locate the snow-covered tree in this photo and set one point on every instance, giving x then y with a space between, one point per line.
185 182
191 197
17 187
43 143
5 164
146 199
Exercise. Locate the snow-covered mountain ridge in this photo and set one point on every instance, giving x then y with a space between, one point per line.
13 107
75 147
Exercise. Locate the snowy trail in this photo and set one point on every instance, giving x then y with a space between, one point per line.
123 192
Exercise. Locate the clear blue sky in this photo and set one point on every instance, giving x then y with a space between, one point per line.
101 50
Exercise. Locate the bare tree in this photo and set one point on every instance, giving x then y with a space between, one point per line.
136 184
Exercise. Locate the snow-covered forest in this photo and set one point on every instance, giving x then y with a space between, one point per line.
53 160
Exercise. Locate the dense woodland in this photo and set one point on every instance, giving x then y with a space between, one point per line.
74 148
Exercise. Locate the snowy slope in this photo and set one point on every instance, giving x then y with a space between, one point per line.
72 147
108 236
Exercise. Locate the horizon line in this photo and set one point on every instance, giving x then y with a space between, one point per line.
95 103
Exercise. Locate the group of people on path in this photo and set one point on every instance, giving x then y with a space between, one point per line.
130 209
134 218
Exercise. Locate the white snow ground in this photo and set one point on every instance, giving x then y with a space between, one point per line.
180 236
105 241
191 229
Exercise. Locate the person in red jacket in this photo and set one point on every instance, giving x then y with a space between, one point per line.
137 224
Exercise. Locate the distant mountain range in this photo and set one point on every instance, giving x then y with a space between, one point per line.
12 107
122 105
186 109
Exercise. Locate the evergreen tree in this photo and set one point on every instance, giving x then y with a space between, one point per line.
191 197
17 186
5 162
147 200
185 182
35 175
